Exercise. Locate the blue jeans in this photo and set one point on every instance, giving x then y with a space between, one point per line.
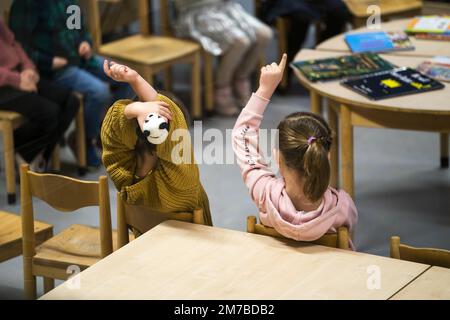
96 89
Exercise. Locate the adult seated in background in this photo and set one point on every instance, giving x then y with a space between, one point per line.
48 110
224 29
301 13
65 56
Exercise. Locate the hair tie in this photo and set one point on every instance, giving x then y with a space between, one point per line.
310 140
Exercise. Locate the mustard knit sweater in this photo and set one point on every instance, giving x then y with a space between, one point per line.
170 187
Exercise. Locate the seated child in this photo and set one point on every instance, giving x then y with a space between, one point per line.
145 174
300 205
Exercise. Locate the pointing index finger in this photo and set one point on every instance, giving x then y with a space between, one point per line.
283 61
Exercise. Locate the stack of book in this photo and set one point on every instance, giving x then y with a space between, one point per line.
430 27
370 75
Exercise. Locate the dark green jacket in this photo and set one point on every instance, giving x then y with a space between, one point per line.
41 27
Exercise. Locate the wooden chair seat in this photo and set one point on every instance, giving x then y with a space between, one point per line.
15 117
149 50
358 8
76 245
11 234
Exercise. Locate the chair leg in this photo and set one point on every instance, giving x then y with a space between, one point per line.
196 104
29 280
209 81
49 284
56 163
282 48
334 154
168 79
8 145
444 149
81 139
316 102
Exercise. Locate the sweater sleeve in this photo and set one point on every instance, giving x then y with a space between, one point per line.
24 59
9 78
254 170
119 140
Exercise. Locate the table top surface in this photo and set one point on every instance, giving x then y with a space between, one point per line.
433 102
423 48
432 284
178 260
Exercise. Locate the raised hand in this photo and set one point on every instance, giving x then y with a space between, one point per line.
140 111
271 76
120 72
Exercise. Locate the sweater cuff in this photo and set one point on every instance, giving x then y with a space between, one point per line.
136 192
257 104
13 80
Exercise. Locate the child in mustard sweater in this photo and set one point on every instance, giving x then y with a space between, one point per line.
147 174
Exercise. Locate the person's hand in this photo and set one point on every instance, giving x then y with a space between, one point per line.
120 72
85 50
271 76
27 83
140 111
32 74
58 63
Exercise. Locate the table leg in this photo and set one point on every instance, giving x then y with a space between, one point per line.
346 133
444 149
316 102
334 152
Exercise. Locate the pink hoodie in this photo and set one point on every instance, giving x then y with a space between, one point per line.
269 192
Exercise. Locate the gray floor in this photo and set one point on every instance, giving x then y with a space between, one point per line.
400 190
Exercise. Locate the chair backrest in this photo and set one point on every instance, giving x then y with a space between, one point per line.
144 19
358 8
141 219
431 256
64 194
334 240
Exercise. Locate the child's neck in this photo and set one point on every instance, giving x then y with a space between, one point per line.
294 190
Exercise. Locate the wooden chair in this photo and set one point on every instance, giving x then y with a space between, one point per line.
334 240
431 256
150 54
140 219
78 245
389 9
11 234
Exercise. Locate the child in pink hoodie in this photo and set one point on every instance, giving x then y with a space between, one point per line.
300 205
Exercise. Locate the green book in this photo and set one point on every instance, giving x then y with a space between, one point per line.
342 67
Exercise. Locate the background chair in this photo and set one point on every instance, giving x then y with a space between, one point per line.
431 256
389 9
11 234
140 219
78 245
334 240
150 54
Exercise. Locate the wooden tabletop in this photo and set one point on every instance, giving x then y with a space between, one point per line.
178 260
433 102
423 48
432 284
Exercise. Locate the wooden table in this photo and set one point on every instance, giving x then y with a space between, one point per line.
432 284
178 260
429 111
423 48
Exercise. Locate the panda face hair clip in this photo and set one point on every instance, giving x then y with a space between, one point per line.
156 128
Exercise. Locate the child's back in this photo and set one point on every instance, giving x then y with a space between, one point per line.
301 205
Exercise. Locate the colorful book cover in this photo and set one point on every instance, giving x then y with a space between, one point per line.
343 66
437 68
392 83
429 24
378 41
432 36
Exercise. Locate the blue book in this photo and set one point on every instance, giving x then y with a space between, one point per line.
378 41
